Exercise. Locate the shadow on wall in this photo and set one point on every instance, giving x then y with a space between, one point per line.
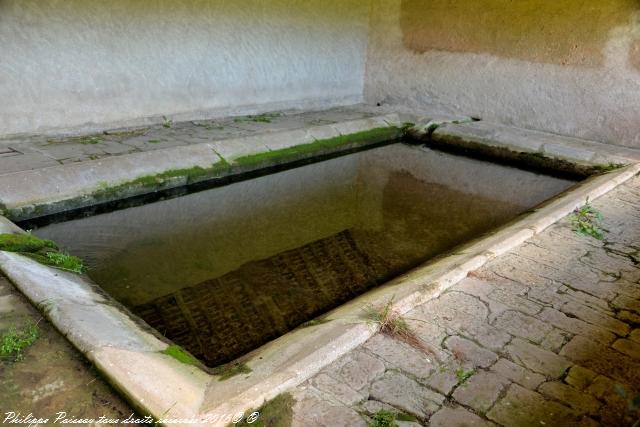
566 32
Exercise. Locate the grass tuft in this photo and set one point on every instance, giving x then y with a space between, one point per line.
394 325
14 342
463 375
167 122
587 221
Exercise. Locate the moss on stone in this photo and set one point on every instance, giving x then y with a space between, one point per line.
189 174
277 412
43 251
181 355
230 370
24 243
371 135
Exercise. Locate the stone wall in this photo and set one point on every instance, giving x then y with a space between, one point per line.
570 67
81 64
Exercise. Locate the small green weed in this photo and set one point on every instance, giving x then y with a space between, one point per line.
587 221
14 342
65 262
383 418
154 141
168 123
89 140
463 375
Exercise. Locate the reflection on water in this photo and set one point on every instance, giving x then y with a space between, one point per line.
225 270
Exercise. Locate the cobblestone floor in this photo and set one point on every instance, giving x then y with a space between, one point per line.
547 335
35 152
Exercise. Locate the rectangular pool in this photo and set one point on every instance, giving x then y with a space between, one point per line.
225 270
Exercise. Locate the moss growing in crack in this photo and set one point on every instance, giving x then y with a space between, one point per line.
181 355
43 251
463 375
314 322
190 174
277 412
608 167
383 418
373 135
259 118
84 140
126 133
230 370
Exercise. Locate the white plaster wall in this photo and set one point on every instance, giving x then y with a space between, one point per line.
81 64
600 103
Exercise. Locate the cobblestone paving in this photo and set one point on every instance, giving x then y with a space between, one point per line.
546 335
35 152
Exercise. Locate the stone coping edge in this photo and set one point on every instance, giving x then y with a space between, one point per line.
128 355
35 193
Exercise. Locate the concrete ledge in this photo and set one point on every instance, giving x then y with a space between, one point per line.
483 136
128 354
31 194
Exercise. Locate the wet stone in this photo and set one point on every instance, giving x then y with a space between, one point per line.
595 317
580 377
573 398
603 360
628 347
523 408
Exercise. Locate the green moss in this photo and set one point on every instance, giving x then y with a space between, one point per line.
373 135
406 417
230 370
14 342
608 167
463 375
43 251
277 412
181 355
154 141
24 243
314 322
260 118
383 418
190 174
127 133
85 140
